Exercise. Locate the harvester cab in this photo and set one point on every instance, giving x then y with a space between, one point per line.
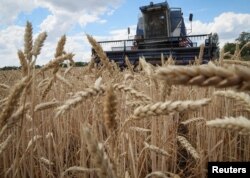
160 30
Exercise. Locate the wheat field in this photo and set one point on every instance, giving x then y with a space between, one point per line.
98 121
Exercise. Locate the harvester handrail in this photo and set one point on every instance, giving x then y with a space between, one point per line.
147 39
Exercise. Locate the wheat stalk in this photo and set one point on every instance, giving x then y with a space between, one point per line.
201 53
236 55
4 128
166 90
162 59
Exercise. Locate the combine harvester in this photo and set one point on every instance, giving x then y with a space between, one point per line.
160 30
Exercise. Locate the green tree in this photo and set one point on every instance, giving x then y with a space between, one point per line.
243 39
230 47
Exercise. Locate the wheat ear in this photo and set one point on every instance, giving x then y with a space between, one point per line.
23 63
164 108
79 169
101 54
170 60
17 115
38 44
55 62
64 81
79 97
185 143
4 86
28 41
46 105
133 92
60 46
4 144
130 66
207 75
48 87
12 101
156 149
193 120
239 124
241 97
100 158
237 62
109 109
157 174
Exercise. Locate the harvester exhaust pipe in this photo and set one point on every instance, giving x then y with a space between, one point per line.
128 32
190 20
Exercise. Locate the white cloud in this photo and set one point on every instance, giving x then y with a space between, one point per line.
77 44
228 25
123 33
65 14
94 6
117 34
11 39
11 8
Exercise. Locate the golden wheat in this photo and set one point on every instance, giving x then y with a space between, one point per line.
239 124
168 107
207 75
185 143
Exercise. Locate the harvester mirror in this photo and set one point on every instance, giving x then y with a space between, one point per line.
190 17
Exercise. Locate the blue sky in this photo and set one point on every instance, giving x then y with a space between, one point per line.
106 20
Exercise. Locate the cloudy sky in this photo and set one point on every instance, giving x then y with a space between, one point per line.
107 19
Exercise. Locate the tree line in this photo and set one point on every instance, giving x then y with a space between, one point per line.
242 40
